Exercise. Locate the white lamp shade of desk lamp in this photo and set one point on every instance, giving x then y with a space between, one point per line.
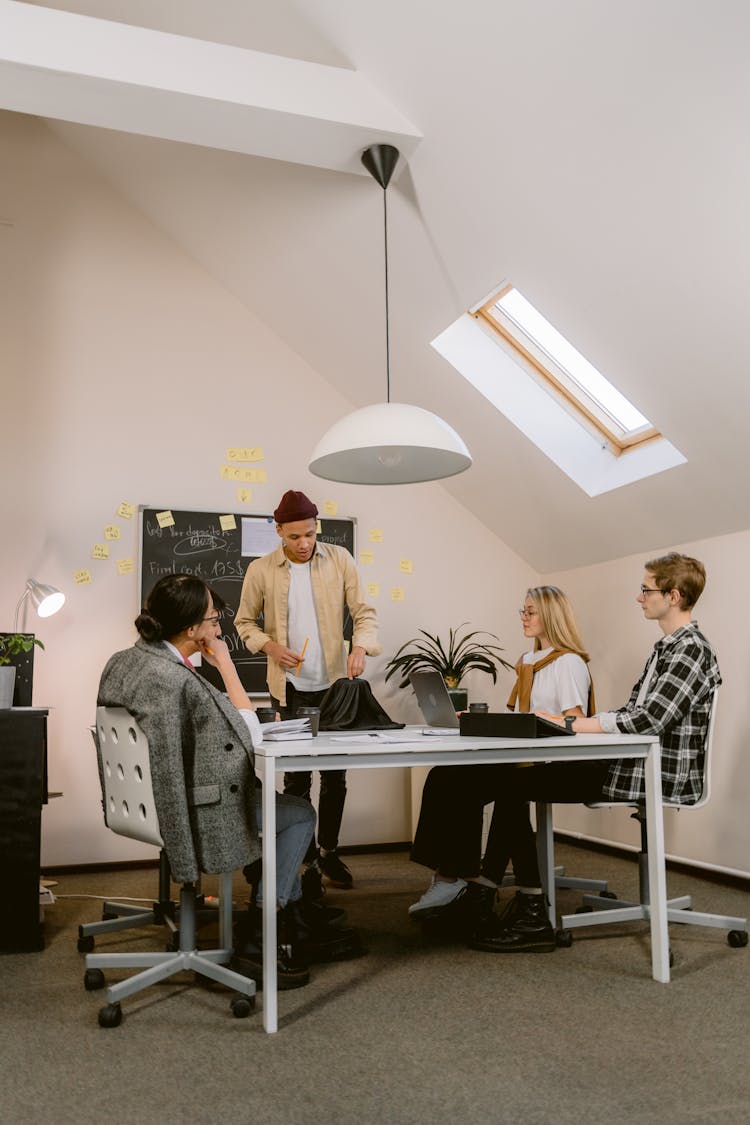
45 599
389 443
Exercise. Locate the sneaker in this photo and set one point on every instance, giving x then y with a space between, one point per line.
438 895
524 926
335 870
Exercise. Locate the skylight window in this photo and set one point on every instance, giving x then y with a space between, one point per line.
565 371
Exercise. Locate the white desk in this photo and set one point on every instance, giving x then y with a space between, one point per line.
329 751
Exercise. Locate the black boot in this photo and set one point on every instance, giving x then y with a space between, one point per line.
461 917
291 971
523 926
313 938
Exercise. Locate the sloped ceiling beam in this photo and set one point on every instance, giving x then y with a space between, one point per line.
115 76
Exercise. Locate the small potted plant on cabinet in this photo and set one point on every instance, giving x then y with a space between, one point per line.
452 661
13 645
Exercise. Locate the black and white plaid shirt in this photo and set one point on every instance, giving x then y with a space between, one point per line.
676 707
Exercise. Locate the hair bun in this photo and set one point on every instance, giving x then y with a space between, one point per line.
148 627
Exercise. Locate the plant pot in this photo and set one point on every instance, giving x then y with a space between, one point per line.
459 698
7 683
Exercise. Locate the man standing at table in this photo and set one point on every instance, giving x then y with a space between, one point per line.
301 589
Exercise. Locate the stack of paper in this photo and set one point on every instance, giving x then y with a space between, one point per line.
288 730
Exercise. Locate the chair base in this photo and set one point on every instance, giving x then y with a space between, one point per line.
157 967
605 912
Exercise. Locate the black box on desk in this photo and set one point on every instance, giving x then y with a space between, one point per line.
508 725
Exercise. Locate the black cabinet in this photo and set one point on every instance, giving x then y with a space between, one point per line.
23 791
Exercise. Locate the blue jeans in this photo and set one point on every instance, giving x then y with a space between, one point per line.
295 828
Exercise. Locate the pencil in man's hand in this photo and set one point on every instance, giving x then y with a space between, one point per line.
302 657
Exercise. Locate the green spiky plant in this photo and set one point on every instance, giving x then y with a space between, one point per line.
453 661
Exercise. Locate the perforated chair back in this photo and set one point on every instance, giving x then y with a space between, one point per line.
125 770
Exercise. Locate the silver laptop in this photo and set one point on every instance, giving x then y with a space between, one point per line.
434 702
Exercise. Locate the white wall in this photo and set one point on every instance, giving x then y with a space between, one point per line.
619 639
129 371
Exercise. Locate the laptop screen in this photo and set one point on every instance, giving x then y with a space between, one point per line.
433 699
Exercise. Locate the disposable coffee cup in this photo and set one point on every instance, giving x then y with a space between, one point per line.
311 713
479 708
266 714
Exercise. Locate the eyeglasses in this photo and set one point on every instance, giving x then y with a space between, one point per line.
523 612
214 620
646 590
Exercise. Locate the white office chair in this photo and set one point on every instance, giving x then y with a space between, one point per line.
598 911
129 810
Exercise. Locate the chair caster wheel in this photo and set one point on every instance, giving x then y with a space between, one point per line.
607 894
585 910
564 939
173 944
108 916
86 944
242 1006
93 979
110 1015
737 939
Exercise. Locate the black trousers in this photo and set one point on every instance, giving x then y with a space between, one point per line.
332 782
449 832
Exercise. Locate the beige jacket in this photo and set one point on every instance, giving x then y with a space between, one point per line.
335 584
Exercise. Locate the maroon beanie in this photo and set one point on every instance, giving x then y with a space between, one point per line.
295 506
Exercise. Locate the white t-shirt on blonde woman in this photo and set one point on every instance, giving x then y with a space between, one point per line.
561 685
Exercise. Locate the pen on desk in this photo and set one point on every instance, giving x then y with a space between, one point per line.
302 657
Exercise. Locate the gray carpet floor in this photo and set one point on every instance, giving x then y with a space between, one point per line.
421 1030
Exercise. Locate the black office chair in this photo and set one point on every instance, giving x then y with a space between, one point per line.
129 810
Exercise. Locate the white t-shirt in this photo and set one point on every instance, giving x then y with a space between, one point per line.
563 684
303 626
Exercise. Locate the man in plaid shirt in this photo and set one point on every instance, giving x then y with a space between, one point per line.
672 699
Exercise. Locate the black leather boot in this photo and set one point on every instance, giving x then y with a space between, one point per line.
313 938
247 959
523 926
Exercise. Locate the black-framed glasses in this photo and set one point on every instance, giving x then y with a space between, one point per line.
646 590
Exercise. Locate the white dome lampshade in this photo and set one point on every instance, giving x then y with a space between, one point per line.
389 443
45 599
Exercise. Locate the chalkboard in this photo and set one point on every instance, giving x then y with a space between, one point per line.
196 544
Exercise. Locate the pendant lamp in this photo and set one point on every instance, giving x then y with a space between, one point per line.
390 442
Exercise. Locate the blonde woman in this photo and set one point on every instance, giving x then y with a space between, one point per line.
551 677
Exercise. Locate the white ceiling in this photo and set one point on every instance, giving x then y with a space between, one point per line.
594 154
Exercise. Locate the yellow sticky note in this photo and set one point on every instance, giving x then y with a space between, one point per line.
111 531
367 556
227 523
330 507
245 476
397 594
318 527
406 566
165 519
376 535
244 495
126 511
245 453
100 551
125 566
81 577
373 589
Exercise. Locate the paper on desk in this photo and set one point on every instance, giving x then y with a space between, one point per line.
374 736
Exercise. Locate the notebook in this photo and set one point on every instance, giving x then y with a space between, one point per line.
434 702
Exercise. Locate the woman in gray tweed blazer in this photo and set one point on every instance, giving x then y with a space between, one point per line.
201 750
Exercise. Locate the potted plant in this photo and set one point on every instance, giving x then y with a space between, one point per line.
452 661
12 645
